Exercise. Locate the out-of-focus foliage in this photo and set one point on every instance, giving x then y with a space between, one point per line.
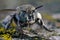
2 30
0 25
13 24
6 37
48 17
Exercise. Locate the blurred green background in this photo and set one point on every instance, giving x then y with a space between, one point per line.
49 5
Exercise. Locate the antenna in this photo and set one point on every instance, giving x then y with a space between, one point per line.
39 7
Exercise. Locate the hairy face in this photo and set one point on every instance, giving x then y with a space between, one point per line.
29 11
